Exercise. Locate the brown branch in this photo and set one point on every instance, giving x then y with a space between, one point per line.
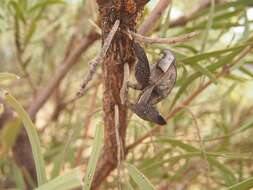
113 78
22 149
190 15
99 59
154 16
113 74
63 69
174 40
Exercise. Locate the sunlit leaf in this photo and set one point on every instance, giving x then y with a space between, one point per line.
139 178
69 180
43 4
96 149
9 134
8 77
32 135
243 185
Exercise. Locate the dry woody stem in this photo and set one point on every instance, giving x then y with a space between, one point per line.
154 16
99 59
174 40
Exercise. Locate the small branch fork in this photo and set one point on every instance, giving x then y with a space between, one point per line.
99 59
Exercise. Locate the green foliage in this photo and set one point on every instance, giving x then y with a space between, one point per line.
9 134
207 142
94 156
70 180
244 185
33 137
139 178
8 77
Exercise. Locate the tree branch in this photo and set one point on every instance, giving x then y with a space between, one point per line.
99 59
174 40
154 16
22 148
190 15
66 65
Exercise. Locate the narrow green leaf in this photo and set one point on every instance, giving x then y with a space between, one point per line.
172 159
43 4
8 77
96 149
19 12
70 180
213 67
127 186
139 178
9 133
59 161
248 124
208 25
18 177
243 185
235 77
224 6
227 174
30 33
207 55
32 135
246 71
205 71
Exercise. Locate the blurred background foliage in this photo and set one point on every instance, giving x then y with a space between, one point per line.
205 145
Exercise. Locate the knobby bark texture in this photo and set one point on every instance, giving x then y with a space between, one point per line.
120 53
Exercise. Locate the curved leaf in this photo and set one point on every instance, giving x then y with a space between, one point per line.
139 178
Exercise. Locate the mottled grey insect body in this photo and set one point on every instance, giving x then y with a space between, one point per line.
166 79
162 79
155 84
148 112
142 70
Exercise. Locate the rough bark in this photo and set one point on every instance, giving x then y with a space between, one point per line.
120 53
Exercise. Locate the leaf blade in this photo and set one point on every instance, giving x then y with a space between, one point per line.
139 178
32 135
96 149
70 180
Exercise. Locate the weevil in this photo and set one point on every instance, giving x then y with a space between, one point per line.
157 83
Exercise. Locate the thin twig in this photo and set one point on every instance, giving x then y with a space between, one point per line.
99 59
123 90
119 143
75 98
61 72
201 142
175 40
